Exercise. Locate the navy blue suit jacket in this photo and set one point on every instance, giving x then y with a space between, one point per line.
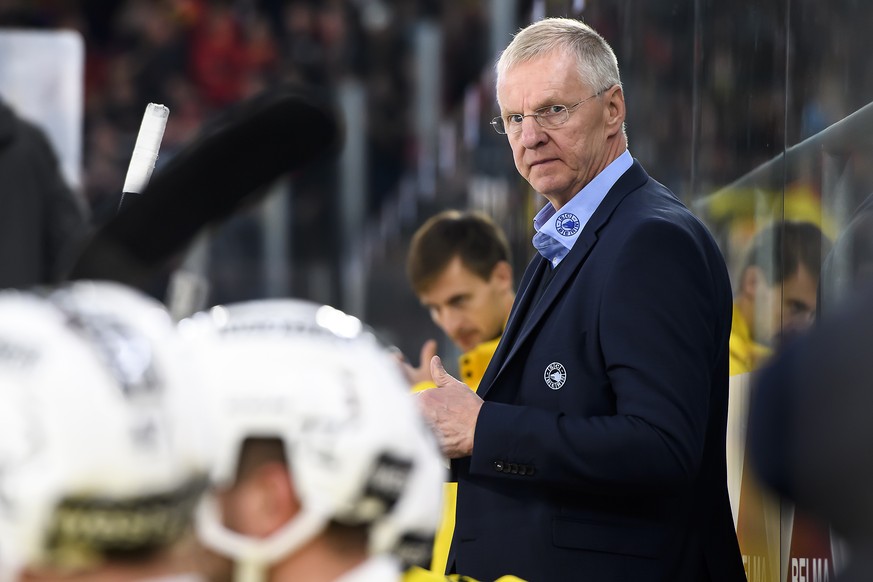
599 453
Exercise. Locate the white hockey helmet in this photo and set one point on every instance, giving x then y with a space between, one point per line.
316 379
98 451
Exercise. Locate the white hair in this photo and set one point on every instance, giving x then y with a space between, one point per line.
596 61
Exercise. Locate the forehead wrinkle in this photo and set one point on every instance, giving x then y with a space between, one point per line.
550 91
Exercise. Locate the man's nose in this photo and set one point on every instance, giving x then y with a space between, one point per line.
801 321
451 322
532 133
808 317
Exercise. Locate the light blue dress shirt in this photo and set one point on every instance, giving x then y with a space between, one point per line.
557 231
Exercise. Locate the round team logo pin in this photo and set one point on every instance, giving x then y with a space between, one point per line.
555 375
567 224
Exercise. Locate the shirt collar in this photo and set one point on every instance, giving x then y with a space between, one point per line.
555 237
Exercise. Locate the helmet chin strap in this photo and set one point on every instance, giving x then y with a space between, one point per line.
253 556
248 571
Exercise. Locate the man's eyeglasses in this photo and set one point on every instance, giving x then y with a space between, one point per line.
549 117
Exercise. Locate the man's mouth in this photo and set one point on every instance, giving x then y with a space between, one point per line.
466 341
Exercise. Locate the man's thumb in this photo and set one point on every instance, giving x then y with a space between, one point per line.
438 372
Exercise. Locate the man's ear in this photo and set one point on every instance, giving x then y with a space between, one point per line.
502 275
615 110
751 280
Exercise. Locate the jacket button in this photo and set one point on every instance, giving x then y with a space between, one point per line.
513 468
498 466
522 470
530 471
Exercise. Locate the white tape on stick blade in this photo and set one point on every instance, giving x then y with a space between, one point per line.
145 152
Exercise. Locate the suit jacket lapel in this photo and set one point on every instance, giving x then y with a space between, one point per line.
527 288
516 333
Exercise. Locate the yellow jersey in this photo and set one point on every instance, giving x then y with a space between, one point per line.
471 368
745 354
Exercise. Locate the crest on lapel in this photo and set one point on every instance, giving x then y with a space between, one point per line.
555 375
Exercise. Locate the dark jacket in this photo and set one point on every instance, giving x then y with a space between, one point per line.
599 453
41 219
810 433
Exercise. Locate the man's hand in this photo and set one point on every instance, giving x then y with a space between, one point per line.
451 409
415 375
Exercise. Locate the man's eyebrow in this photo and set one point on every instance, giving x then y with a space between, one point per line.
457 297
544 102
798 303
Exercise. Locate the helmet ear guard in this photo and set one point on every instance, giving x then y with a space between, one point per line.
319 381
408 530
108 461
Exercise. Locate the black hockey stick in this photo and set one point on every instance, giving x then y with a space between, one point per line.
229 165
